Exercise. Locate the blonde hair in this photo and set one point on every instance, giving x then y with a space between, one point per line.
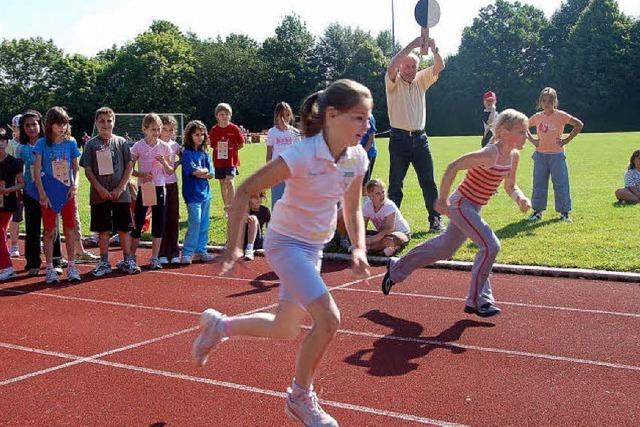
223 106
149 119
281 107
169 120
376 182
548 91
508 119
342 95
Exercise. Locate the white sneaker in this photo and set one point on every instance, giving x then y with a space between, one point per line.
7 273
163 260
209 337
249 254
14 252
307 410
202 257
154 264
51 276
102 269
72 274
186 259
175 260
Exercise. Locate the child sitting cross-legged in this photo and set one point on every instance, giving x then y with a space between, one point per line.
259 216
392 230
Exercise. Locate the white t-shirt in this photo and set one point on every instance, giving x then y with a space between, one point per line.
632 179
146 157
308 209
175 150
378 218
280 140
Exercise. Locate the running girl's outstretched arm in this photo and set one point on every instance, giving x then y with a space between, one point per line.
512 188
354 221
269 175
485 156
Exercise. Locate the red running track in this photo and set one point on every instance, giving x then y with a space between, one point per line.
116 351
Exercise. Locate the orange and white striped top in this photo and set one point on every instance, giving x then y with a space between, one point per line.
481 182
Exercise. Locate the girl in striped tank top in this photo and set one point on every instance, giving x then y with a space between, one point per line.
486 169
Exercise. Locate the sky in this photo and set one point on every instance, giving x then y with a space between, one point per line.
88 26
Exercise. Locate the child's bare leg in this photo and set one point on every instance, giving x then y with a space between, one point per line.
224 193
155 246
14 233
48 246
125 243
285 324
70 239
231 191
624 194
252 229
103 242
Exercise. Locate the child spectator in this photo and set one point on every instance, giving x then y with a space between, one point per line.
325 167
197 170
631 191
259 216
152 156
392 230
226 139
486 170
55 172
11 182
169 250
549 157
14 227
107 163
280 137
489 115
368 142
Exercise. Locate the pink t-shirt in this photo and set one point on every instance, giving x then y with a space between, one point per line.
550 128
146 155
175 150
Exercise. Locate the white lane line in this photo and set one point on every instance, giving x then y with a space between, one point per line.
214 276
225 384
516 304
508 352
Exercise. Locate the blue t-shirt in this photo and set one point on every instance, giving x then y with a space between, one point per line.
194 189
25 153
373 151
66 151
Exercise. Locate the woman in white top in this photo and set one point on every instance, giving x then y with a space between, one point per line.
322 169
280 137
392 230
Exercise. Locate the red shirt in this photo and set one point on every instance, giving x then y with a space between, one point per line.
225 143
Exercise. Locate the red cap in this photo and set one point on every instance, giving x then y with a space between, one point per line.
489 95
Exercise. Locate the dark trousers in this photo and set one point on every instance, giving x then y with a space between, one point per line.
33 231
169 246
412 148
367 175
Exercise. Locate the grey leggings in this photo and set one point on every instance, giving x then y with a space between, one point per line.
466 222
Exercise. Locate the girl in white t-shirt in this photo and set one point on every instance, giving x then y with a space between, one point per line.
324 168
280 137
631 191
392 230
152 156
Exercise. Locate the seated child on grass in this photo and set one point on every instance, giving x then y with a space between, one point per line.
259 216
631 191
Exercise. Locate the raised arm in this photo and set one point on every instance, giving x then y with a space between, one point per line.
438 63
394 65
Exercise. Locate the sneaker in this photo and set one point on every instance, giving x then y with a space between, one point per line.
186 259
51 276
201 257
248 254
91 241
33 271
86 257
435 225
163 260
72 274
14 252
564 216
7 273
102 269
114 240
536 216
485 310
58 270
387 283
132 267
60 262
154 264
122 265
175 260
209 337
307 410
345 244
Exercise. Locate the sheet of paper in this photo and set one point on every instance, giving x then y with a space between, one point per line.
223 149
148 194
61 171
105 162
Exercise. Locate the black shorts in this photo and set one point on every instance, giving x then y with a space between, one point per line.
222 173
109 216
17 214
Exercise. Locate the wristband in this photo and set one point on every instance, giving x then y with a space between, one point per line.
517 194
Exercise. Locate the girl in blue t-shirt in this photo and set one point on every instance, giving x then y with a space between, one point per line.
197 170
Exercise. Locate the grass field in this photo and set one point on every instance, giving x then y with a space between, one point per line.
603 235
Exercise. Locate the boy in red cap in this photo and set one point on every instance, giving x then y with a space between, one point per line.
488 116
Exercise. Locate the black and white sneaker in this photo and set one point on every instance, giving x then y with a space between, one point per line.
387 283
102 269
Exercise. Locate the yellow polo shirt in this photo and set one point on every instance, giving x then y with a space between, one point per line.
406 102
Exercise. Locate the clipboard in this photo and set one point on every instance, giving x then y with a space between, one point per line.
105 162
148 190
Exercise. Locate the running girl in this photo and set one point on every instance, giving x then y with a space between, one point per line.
486 169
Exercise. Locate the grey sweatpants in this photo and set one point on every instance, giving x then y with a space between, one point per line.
465 222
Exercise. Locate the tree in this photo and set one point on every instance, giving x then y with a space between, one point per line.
336 48
384 40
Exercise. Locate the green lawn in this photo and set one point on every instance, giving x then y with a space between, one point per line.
603 235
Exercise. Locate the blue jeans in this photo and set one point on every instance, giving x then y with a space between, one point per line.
197 228
554 164
404 149
276 193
